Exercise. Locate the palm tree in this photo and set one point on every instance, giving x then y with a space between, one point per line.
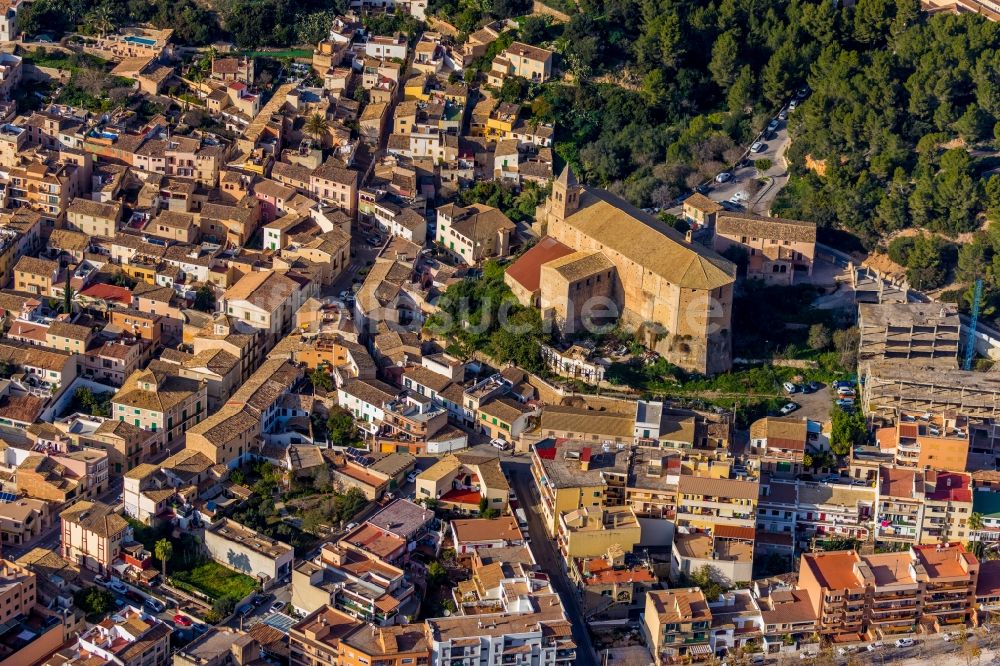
317 127
164 551
100 20
975 523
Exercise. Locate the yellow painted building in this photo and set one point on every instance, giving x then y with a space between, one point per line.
592 532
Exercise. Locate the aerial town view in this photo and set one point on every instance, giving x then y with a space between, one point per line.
499 332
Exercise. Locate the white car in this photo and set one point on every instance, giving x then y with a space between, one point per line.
724 177
948 638
500 443
411 477
791 105
758 147
905 642
877 645
773 125
788 409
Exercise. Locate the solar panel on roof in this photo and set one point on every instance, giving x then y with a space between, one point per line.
280 621
7 497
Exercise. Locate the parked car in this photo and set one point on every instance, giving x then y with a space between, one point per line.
411 477
102 581
199 628
724 177
758 147
811 387
948 638
500 443
117 586
788 409
278 606
845 403
244 610
783 115
154 605
132 595
793 105
843 383
790 387
844 651
872 647
905 642
773 125
182 620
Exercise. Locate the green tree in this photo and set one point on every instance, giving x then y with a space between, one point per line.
705 578
741 92
846 342
847 430
322 379
436 574
93 600
340 427
163 550
974 523
204 299
925 268
100 20
763 165
819 337
223 607
956 192
725 59
533 29
317 127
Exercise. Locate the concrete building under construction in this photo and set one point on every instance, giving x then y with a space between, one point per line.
892 387
926 334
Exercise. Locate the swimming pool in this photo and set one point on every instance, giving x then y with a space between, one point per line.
145 41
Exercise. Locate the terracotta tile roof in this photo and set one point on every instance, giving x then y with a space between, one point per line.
729 488
746 224
96 517
638 236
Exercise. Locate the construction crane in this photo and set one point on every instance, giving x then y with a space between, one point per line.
970 343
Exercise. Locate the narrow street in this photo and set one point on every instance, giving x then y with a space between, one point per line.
551 562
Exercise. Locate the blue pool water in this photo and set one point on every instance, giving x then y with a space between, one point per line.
145 41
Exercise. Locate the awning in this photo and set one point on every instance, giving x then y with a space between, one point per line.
700 649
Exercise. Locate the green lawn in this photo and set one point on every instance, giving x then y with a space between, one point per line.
215 581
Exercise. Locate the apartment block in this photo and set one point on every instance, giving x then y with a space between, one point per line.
676 624
538 631
921 441
928 588
353 582
922 506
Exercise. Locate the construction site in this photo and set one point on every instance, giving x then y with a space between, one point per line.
927 334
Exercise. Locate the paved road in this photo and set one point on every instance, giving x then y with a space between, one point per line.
551 562
775 146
